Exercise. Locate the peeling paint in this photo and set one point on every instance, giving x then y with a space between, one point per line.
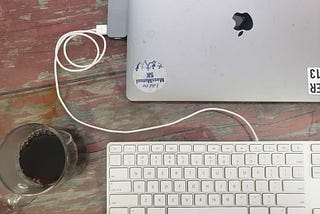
26 17
43 4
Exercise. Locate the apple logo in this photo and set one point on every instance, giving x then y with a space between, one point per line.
243 22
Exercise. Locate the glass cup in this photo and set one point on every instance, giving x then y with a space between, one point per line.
34 159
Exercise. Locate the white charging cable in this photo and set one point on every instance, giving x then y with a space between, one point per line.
100 31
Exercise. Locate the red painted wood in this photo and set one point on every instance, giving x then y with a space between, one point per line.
28 32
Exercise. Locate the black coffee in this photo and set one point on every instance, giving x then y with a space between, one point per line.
42 158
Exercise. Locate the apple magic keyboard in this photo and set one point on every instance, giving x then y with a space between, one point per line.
213 177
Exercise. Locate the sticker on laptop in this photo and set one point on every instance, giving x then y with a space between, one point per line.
314 80
149 76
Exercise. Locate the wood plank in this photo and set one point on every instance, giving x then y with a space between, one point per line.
29 31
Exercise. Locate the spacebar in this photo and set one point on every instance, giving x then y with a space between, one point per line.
220 210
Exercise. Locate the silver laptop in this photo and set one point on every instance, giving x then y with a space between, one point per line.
230 50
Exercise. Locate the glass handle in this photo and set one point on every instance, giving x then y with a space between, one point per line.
18 201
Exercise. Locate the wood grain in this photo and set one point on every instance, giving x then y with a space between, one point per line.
28 32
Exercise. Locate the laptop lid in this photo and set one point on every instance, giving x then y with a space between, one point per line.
231 50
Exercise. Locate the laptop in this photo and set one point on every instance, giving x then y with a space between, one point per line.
231 50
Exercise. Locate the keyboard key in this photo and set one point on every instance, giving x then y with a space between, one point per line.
213 148
224 159
176 173
214 200
146 200
185 148
128 160
179 186
196 160
298 172
241 199
118 211
285 172
129 148
135 173
256 148
275 186
139 186
203 173
259 210
290 199
296 210
210 160
156 211
186 199
262 186
316 211
315 147
217 172
169 160
118 187
173 199
143 148
149 173
115 149
258 172
269 199
171 148
115 160
248 186
242 148
153 186
157 148
224 210
255 199
264 159
272 172
166 186
156 160
220 186
183 160
123 200
234 186
237 159
163 173
200 199
228 199
297 147
315 159
283 148
231 173
292 186
278 210
159 200
251 159
118 173
269 148
190 173
316 172
137 211
278 159
244 172
207 186
199 148
227 148
193 186
142 160
295 159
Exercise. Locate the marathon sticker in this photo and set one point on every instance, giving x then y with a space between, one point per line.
314 80
149 76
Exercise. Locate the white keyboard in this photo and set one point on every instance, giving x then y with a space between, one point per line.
213 178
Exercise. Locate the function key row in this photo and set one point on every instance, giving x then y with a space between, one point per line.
211 148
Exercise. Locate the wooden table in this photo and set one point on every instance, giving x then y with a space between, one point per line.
28 32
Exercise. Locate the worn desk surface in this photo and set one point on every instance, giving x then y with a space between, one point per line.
28 33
